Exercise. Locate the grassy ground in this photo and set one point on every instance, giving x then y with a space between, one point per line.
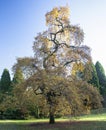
88 122
86 125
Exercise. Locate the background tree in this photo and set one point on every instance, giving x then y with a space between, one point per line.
18 77
5 88
81 70
26 65
5 81
0 83
101 77
94 79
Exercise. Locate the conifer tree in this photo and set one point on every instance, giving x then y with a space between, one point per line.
94 80
101 76
5 84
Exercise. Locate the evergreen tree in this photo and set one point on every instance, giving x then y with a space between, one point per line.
94 80
0 82
5 84
101 76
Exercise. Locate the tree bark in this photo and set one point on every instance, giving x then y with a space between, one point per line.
51 118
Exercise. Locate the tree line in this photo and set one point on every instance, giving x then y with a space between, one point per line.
60 79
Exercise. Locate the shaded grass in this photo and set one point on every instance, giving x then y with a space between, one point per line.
88 122
72 125
67 125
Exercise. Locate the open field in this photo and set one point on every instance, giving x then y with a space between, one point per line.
88 122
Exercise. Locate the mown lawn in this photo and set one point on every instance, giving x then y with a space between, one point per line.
90 122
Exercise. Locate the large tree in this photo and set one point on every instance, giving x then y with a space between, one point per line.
56 50
101 76
5 84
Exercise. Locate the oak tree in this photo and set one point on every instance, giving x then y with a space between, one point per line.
56 50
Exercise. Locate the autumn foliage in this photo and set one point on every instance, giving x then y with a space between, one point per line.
57 72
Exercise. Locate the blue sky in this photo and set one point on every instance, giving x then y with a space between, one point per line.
21 20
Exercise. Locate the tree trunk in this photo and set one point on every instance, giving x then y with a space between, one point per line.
51 119
37 111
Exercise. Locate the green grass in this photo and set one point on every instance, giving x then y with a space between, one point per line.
93 117
87 122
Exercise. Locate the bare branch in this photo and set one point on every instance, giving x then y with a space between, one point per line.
68 62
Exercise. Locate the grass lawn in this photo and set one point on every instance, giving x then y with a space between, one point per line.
90 122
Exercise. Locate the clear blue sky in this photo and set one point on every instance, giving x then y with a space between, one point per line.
21 20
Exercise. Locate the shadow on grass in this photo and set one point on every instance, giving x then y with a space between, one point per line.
67 125
71 125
